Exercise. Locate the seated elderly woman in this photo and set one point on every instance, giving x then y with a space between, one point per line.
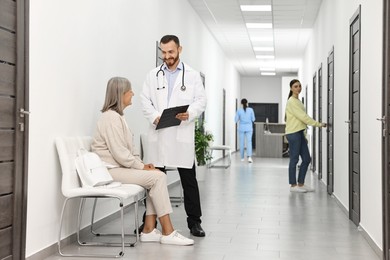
113 142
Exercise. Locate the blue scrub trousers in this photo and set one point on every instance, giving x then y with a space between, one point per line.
248 136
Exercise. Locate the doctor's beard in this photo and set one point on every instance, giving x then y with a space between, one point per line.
171 61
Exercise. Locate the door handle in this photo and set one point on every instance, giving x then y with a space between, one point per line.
348 121
382 119
23 112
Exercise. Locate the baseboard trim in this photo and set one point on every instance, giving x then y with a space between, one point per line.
371 242
366 236
341 205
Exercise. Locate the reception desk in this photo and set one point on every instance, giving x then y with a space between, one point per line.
269 142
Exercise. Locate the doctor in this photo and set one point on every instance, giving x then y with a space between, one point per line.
174 83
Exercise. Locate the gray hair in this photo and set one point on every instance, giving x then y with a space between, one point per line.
116 87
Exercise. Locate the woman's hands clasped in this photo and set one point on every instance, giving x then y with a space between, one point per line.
149 167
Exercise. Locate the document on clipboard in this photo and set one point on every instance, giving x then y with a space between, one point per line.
168 117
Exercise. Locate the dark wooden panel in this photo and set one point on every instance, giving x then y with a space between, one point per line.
7 112
7 143
355 28
356 61
330 165
356 183
6 177
356 81
330 152
5 242
6 202
356 142
7 79
7 47
355 163
8 15
356 101
356 42
356 202
355 121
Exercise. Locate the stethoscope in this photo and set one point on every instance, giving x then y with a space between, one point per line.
183 87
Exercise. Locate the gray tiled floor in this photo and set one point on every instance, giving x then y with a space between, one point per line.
249 213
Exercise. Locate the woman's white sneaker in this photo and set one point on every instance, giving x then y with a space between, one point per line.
250 160
175 238
307 188
153 236
297 189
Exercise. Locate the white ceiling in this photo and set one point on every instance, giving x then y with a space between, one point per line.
292 25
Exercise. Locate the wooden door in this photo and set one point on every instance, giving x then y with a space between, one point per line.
314 129
354 118
386 132
13 128
320 120
330 120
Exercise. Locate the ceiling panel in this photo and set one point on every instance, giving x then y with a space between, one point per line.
292 25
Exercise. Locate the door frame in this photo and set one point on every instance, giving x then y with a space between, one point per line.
354 217
319 83
385 132
314 129
330 128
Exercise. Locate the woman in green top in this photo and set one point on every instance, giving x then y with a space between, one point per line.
296 123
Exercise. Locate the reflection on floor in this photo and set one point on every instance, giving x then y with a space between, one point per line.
249 213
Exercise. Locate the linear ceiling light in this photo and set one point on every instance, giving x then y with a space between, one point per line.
265 57
263 48
254 8
268 73
262 39
267 69
259 25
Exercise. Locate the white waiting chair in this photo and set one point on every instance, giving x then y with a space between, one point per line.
225 148
130 194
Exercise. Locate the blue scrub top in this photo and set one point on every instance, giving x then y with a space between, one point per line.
246 119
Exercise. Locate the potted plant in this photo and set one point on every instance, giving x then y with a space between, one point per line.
202 143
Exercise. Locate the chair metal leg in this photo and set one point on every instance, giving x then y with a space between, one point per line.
79 216
111 234
120 254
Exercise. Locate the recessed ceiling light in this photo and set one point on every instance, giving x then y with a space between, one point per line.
263 48
267 69
262 39
265 57
268 73
253 8
259 25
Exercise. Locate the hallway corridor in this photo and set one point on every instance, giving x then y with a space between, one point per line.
249 213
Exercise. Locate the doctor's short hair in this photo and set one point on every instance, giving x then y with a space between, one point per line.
116 88
167 38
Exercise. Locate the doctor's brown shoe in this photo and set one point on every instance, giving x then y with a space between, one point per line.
197 230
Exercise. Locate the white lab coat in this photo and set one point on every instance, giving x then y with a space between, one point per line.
172 146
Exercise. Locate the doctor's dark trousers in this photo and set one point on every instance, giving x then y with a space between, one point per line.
191 195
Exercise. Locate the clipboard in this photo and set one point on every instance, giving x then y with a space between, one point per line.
168 117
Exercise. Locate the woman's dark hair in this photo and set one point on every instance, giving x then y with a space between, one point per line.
292 82
167 38
244 103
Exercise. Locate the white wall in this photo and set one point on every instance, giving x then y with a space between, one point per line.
262 89
332 29
75 47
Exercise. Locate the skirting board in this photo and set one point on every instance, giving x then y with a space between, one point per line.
366 236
